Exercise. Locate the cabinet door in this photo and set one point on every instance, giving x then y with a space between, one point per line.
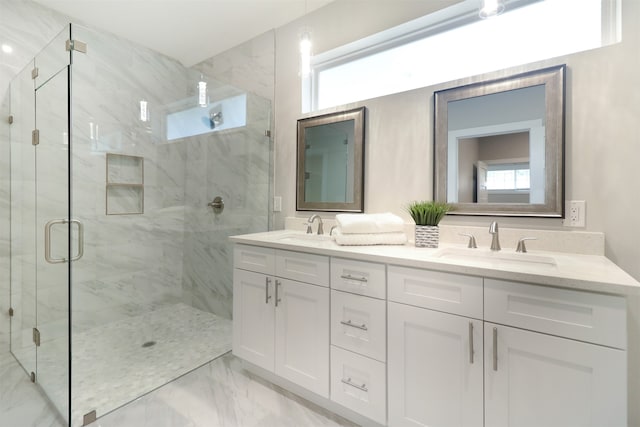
253 318
541 380
434 378
302 334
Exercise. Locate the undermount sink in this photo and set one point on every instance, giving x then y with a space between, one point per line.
304 238
494 257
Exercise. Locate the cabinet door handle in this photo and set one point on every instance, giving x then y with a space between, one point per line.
362 387
267 297
353 325
277 296
495 349
350 277
471 342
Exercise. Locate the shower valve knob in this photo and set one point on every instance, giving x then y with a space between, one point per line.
217 204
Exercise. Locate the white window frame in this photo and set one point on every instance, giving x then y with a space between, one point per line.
460 14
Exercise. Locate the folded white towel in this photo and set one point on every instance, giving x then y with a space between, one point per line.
366 239
370 223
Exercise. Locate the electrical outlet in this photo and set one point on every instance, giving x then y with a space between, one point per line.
277 204
576 212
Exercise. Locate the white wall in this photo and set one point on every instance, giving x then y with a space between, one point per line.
601 126
602 136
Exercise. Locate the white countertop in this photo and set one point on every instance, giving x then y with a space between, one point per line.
587 272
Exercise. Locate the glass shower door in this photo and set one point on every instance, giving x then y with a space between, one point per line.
23 240
40 221
53 234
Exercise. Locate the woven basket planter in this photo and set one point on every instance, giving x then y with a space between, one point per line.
427 236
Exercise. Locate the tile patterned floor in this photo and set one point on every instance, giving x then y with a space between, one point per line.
112 365
221 394
218 393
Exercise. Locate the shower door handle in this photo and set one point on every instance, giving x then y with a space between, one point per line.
80 239
47 240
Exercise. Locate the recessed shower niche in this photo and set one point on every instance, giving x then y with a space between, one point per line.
125 184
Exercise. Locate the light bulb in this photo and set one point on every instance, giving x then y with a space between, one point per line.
202 93
305 54
144 112
489 8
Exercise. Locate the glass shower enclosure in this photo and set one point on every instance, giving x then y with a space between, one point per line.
121 270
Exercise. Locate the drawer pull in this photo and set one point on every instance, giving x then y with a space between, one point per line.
471 342
353 325
495 349
278 299
350 277
362 387
267 297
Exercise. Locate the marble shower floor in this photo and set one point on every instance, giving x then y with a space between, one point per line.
118 362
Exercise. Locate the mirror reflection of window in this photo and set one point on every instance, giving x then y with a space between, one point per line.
505 127
494 168
479 126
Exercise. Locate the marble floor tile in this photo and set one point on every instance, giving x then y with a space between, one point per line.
221 394
217 394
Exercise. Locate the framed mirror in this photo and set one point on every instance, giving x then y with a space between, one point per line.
330 164
499 146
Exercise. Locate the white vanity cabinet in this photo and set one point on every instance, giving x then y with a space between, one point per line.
280 324
534 379
552 357
563 364
435 359
405 345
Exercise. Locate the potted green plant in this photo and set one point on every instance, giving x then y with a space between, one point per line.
427 216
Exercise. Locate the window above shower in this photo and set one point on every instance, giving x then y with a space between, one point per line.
185 118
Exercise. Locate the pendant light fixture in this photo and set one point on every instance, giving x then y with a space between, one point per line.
202 92
305 47
490 8
305 54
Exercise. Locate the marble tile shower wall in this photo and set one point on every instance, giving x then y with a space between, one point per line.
177 250
132 263
235 165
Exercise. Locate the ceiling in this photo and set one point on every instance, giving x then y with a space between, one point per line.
187 30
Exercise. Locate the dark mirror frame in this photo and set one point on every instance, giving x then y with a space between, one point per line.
554 81
358 116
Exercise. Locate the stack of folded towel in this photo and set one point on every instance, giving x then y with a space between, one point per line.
369 229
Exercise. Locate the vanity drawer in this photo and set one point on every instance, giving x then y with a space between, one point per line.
303 267
448 292
254 258
359 383
359 277
359 324
584 316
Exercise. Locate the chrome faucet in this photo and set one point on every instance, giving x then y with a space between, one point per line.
310 223
495 241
